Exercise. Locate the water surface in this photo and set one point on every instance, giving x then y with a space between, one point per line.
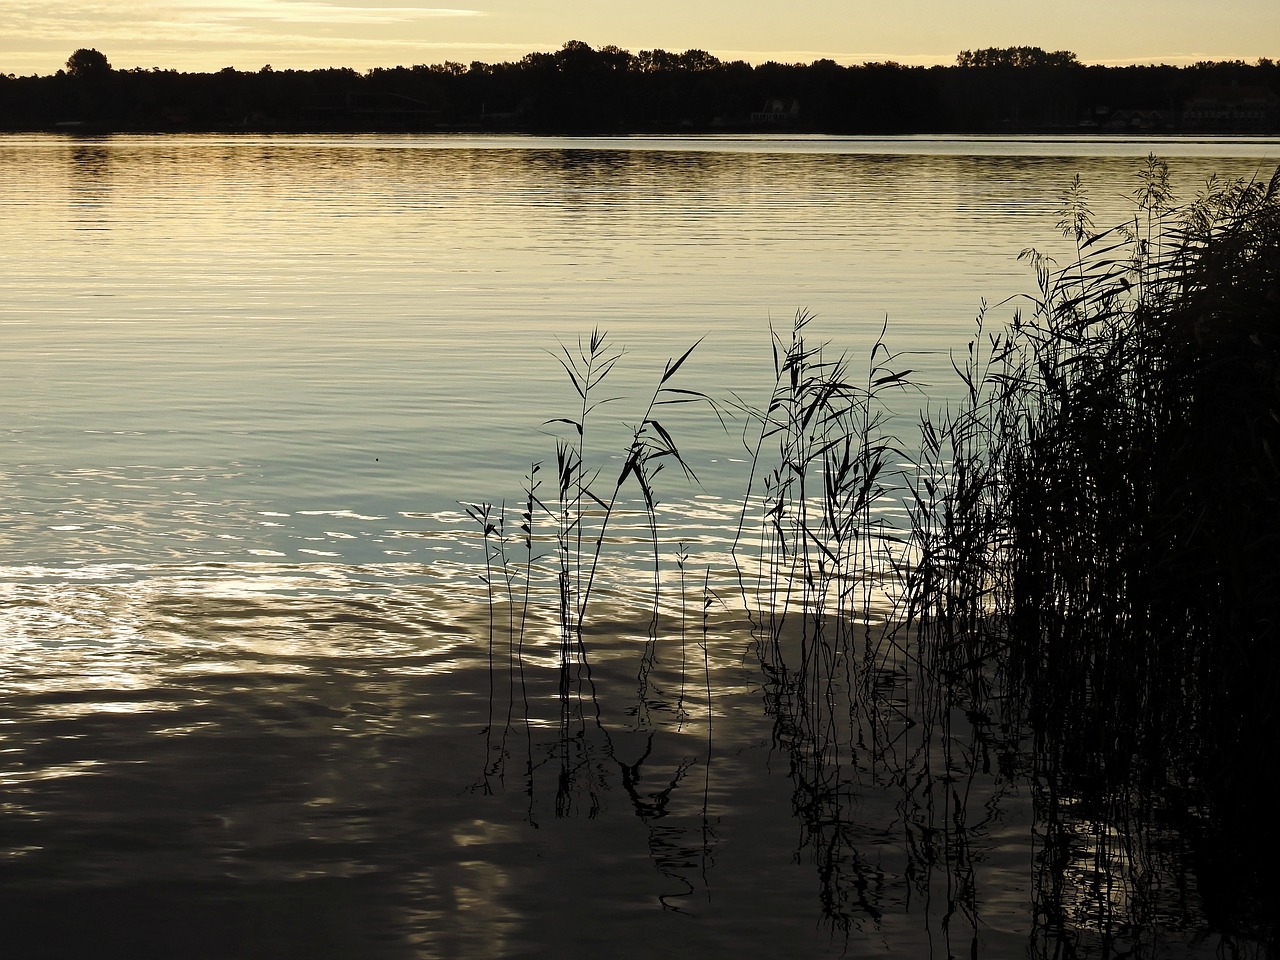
254 702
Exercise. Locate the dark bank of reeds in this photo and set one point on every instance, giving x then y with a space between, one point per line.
1093 547
1139 593
1096 527
1073 573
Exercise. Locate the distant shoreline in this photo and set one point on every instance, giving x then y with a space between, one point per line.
579 91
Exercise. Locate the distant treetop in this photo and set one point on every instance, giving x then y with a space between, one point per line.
88 63
1016 57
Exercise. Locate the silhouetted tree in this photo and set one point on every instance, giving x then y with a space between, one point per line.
1016 57
697 60
88 64
656 61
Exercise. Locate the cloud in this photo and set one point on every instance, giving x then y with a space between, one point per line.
40 20
310 11
193 33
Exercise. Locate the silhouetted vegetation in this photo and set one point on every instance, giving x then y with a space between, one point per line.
580 89
1081 601
1143 497
1092 563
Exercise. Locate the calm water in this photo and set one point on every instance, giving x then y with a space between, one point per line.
249 703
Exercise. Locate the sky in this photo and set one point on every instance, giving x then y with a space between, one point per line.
37 36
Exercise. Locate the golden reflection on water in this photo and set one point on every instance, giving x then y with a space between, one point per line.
78 768
264 724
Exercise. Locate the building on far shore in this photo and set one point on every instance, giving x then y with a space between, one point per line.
1232 109
777 112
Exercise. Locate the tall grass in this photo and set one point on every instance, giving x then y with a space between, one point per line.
1143 499
587 501
1085 588
1093 545
1145 506
569 530
812 549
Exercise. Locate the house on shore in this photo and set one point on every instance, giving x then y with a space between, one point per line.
777 112
1232 109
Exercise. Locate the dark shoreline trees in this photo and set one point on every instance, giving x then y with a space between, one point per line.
580 89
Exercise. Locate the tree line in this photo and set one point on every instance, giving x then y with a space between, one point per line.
581 89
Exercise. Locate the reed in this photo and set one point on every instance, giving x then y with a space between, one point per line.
809 542
1127 512
1091 551
1085 589
1143 510
587 503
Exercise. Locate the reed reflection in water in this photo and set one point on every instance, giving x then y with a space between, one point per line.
289 763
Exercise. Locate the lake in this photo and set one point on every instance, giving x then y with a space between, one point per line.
259 694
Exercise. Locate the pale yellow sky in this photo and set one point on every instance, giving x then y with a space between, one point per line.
204 35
